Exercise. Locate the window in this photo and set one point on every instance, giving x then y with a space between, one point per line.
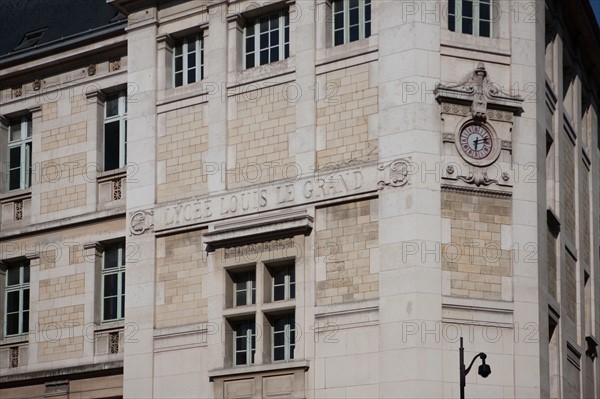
277 288
284 338
267 39
17 300
19 154
473 17
115 132
188 60
283 283
245 288
244 342
351 20
113 283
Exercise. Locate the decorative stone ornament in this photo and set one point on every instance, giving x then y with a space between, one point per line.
37 84
478 91
91 70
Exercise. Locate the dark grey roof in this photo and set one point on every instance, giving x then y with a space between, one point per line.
25 24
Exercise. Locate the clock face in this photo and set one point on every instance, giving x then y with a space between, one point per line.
476 141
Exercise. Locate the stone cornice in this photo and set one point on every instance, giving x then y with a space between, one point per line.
74 372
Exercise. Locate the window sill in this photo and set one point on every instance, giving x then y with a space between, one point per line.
184 92
268 71
480 44
111 174
348 50
15 340
258 368
109 325
15 195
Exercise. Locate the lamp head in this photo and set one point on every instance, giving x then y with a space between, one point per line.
485 369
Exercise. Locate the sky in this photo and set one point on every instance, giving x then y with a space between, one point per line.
596 7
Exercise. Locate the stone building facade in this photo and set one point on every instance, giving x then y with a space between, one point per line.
299 198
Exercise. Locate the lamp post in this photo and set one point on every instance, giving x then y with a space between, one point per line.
484 369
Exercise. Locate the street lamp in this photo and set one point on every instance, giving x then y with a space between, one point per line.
484 369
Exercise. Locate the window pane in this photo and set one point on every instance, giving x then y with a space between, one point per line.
264 40
339 37
264 24
178 49
292 290
250 60
250 30
240 358
12 324
278 338
111 257
110 308
264 57
484 29
249 45
178 79
25 322
338 20
26 299
122 283
467 26
274 54
484 11
111 145
13 276
123 305
354 33
354 16
275 22
15 157
240 299
191 75
12 301
112 106
28 165
275 38
279 353
279 293
110 285
191 60
467 8
25 274
15 131
178 64
14 179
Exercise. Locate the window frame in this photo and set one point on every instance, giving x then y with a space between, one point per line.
250 334
250 288
290 271
120 117
24 142
119 270
289 344
362 21
183 43
21 287
283 45
455 14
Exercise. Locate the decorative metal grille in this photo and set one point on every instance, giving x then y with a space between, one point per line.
14 356
113 342
18 210
116 189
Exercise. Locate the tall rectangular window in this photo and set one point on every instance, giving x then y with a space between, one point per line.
267 39
284 283
113 283
16 299
351 20
188 60
19 153
473 17
244 342
245 288
115 131
284 338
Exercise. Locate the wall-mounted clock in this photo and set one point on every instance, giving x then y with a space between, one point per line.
478 144
476 141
